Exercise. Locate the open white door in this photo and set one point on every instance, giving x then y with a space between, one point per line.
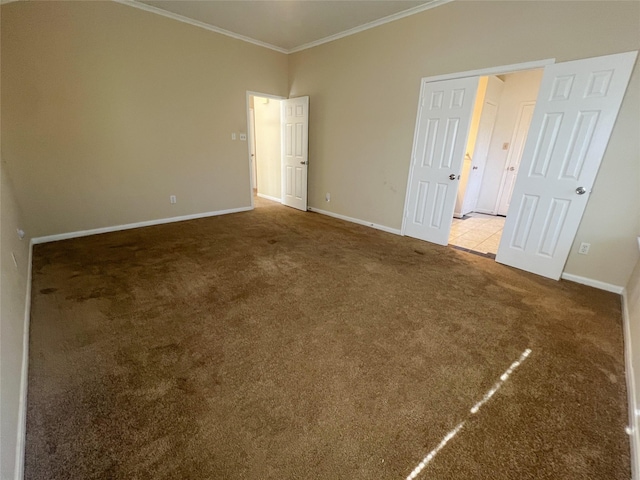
492 97
514 157
295 152
575 112
252 149
439 146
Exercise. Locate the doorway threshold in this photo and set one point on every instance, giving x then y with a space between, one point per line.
489 255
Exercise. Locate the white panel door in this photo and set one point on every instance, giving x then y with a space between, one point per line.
479 161
515 156
252 149
439 146
575 112
495 86
295 152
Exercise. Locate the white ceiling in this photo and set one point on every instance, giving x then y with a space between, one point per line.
289 25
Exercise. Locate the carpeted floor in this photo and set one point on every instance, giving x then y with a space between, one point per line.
277 344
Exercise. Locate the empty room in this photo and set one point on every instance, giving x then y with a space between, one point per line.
319 239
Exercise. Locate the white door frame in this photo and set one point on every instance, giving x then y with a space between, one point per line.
501 70
249 133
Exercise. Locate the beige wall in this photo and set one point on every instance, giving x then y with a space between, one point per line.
633 306
518 88
12 307
364 90
268 146
109 110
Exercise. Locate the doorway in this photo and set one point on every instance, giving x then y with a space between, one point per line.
278 148
575 111
499 127
265 149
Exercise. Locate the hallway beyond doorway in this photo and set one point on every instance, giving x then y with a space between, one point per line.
477 232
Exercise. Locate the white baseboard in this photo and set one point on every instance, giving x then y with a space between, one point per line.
128 226
486 212
609 287
24 376
634 430
269 197
395 231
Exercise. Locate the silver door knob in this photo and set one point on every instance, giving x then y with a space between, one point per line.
303 163
474 168
581 190
452 177
511 169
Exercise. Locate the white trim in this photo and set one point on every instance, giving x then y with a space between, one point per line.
634 429
315 43
128 226
609 287
373 24
269 197
197 23
24 376
484 72
486 212
395 231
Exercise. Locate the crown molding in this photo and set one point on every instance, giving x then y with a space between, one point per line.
222 31
196 23
367 26
330 38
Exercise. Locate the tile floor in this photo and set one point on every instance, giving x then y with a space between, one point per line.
477 232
